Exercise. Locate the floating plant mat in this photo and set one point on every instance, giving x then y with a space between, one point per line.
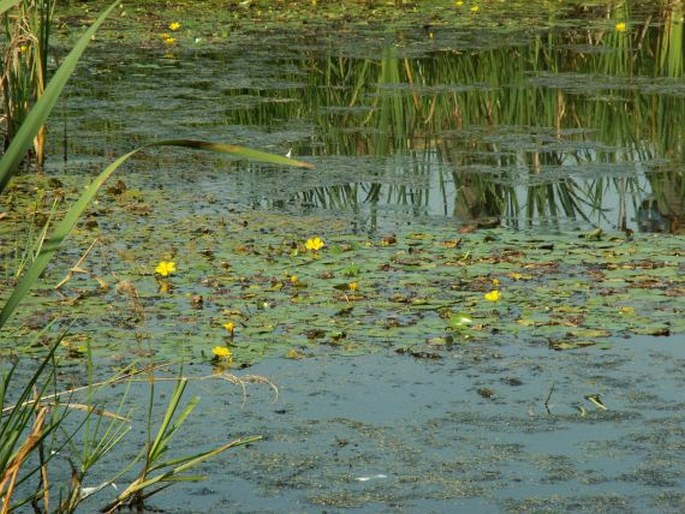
425 290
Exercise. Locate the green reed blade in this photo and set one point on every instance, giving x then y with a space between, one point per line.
237 151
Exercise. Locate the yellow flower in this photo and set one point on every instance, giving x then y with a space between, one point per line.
169 40
475 9
459 3
495 282
165 268
294 279
621 27
493 296
353 286
174 26
222 353
230 326
314 244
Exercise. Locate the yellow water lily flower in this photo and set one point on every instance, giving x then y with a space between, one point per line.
222 353
230 327
174 26
165 268
493 296
621 27
475 9
314 244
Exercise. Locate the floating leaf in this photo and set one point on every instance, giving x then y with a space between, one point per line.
459 320
654 329
590 333
593 235
440 341
570 344
294 354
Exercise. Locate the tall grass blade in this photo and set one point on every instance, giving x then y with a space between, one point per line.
165 433
24 427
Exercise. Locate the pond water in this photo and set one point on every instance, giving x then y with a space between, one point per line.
448 163
389 433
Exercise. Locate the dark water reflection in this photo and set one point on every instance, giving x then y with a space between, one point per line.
575 127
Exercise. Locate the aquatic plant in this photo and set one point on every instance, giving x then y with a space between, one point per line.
222 354
23 426
33 416
230 328
156 461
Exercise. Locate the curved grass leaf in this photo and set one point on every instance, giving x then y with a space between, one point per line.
238 151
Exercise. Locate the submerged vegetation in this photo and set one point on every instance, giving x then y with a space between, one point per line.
541 127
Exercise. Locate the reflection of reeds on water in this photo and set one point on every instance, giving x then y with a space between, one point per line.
534 131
